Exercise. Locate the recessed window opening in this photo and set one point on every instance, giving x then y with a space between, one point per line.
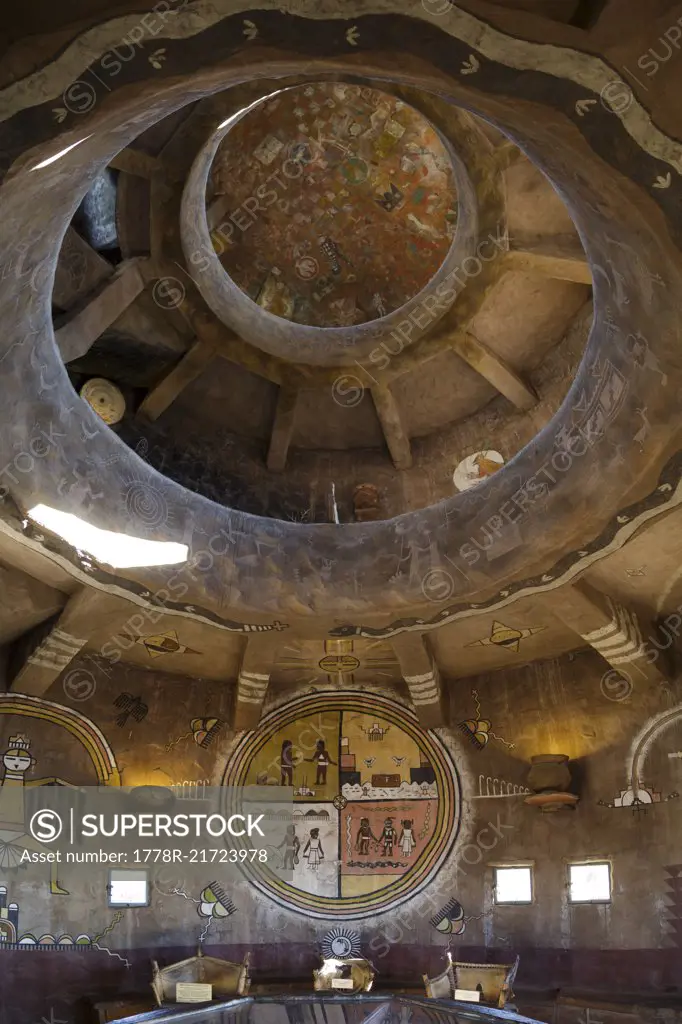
589 883
128 888
513 885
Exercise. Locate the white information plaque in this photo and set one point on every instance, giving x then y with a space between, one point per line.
191 992
342 983
468 995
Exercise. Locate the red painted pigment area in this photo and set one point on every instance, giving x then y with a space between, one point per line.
334 204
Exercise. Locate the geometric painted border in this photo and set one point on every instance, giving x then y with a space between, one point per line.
447 821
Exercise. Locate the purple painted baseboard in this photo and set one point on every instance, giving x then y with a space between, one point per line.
68 982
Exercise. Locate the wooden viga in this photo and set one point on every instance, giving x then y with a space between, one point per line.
225 978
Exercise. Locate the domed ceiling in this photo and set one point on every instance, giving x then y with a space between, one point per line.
337 204
332 206
472 390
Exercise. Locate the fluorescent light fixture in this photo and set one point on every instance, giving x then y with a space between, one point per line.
244 110
115 549
60 154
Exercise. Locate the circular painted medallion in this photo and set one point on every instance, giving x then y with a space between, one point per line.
377 802
475 468
105 398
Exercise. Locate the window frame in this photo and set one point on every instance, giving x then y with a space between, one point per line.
131 871
513 867
600 901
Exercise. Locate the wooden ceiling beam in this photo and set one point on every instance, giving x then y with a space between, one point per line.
80 271
228 345
253 681
494 369
134 161
393 427
76 337
617 633
561 257
191 366
420 672
50 648
282 429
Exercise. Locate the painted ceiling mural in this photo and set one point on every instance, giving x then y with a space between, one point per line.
377 802
337 204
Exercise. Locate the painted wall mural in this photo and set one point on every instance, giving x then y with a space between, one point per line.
377 801
639 791
474 468
355 204
479 730
508 637
346 663
11 936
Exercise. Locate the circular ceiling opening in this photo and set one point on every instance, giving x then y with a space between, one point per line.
332 205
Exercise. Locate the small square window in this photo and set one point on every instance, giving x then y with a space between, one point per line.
128 889
589 883
513 885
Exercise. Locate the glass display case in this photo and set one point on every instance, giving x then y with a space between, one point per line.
332 1009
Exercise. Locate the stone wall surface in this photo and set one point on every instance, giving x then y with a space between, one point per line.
163 732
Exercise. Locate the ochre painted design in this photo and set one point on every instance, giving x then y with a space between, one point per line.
450 919
506 636
342 204
339 659
376 801
215 903
159 644
479 730
346 662
85 731
202 730
11 938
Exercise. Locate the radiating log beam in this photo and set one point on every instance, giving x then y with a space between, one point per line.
616 632
282 429
227 344
494 370
80 270
50 649
78 336
422 677
192 364
253 680
134 161
392 425
25 603
42 655
561 257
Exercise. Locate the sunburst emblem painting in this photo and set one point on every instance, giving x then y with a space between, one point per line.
341 944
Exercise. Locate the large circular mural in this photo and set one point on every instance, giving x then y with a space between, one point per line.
377 802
